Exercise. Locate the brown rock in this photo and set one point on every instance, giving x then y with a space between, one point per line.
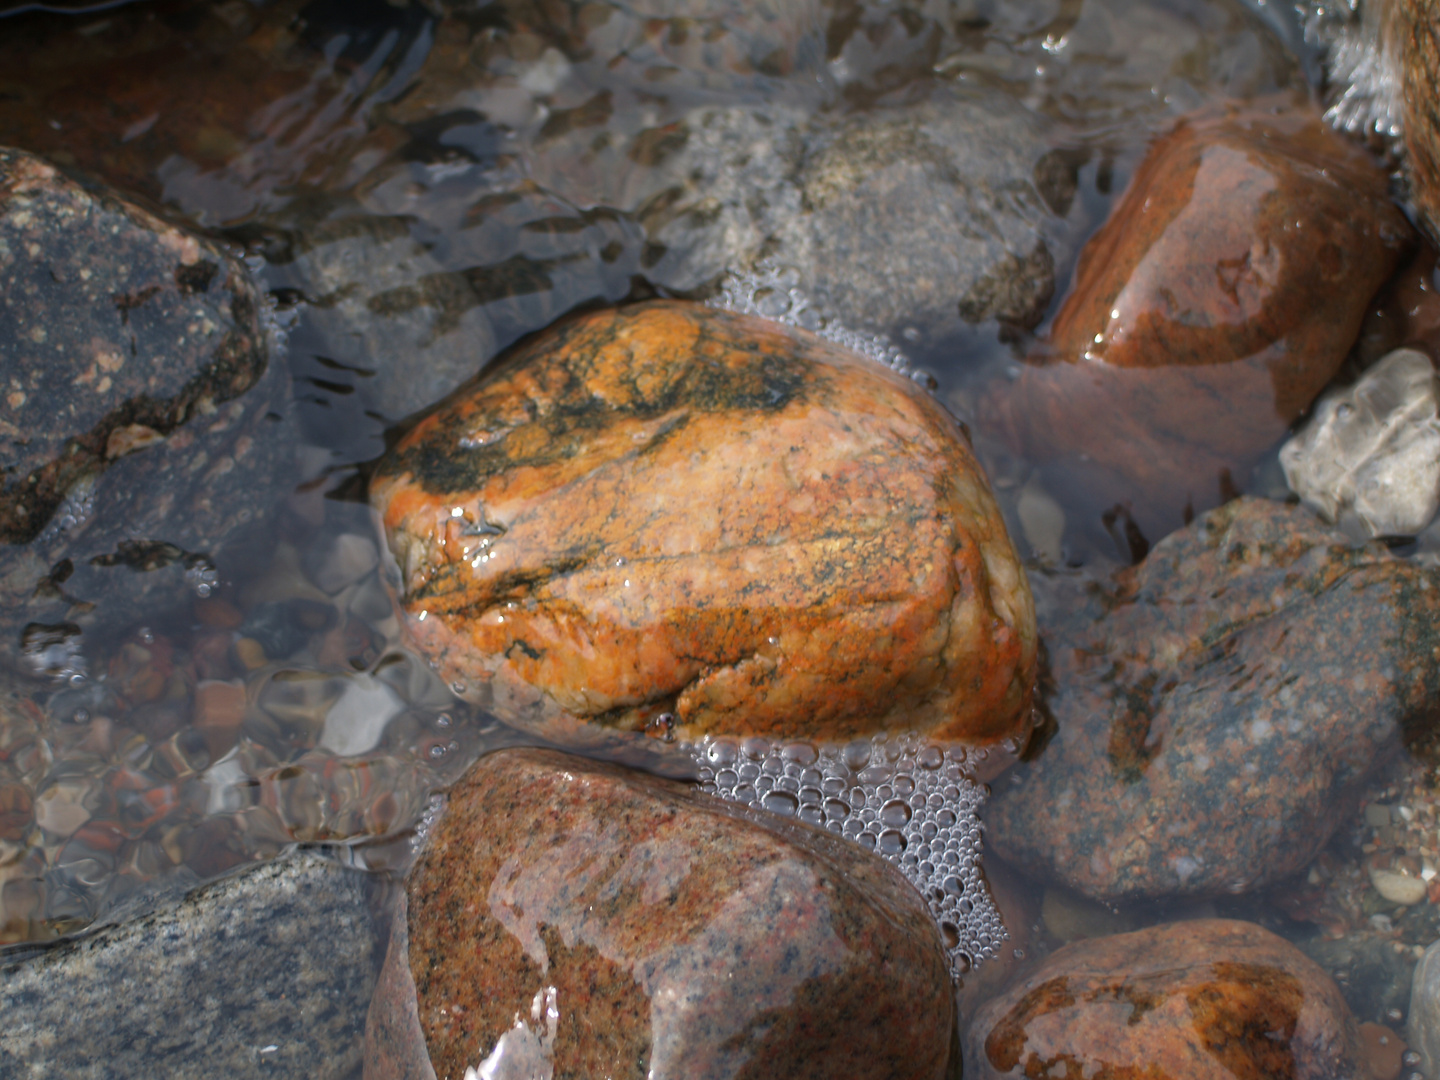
669 509
1192 1000
1220 706
1419 24
142 428
1208 312
610 923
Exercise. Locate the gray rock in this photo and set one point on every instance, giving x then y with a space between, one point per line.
1373 449
268 973
1422 1030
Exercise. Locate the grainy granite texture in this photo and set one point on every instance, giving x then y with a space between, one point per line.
141 427
1212 999
1208 312
1419 34
609 923
672 509
1219 706
280 956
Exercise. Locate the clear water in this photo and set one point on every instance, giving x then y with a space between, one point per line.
420 187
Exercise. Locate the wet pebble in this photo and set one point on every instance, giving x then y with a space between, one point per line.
572 916
1423 1028
673 517
1209 998
1219 706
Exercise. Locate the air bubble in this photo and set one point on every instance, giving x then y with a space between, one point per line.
895 814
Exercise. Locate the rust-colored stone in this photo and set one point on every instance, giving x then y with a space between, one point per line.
673 509
1208 312
1184 1001
610 923
1420 60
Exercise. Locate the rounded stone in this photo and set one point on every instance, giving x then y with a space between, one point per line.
1212 998
673 515
1207 314
588 920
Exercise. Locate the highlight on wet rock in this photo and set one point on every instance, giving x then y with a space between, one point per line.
575 917
674 518
1209 311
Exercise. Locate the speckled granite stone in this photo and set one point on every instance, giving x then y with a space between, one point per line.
1206 1000
1219 705
595 921
141 426
265 974
670 509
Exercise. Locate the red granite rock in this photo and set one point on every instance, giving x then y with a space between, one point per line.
610 923
670 509
1197 1000
1207 314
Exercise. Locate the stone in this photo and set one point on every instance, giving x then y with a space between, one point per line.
1220 706
1207 314
1209 998
705 523
1418 26
264 974
144 427
574 916
1422 1029
1396 887
1373 449
897 217
1383 1050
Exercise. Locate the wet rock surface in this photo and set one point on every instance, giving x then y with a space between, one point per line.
267 973
669 509
1209 998
1423 1030
574 916
1207 314
1418 32
1219 706
142 427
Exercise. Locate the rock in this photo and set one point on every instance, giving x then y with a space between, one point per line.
142 428
1396 887
579 917
1383 1050
1422 1030
1204 319
267 973
1209 998
669 509
1219 706
897 217
1373 449
1419 38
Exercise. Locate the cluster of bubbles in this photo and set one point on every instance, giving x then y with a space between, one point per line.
1370 95
773 291
910 802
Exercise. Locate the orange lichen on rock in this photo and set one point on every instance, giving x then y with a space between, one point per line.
670 509
1207 314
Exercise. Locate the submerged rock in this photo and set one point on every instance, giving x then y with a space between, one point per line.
572 916
1210 998
142 429
1423 1028
265 974
1373 449
707 523
1219 706
1207 314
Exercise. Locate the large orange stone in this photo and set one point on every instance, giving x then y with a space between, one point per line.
677 513
1207 314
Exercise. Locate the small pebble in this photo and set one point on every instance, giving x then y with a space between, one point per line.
1383 1050
1397 888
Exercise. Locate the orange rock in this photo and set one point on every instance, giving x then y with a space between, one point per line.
1419 22
673 509
1384 1050
1207 314
219 712
1211 998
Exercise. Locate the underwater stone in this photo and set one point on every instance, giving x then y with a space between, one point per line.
705 523
1207 314
1220 706
1422 1030
1212 999
603 922
1373 449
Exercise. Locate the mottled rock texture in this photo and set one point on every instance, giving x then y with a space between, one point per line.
669 509
141 426
1419 35
1183 1001
265 974
1207 313
602 922
1219 706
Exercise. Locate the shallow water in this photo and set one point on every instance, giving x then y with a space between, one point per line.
418 188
